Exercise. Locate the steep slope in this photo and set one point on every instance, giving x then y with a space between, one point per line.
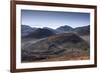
85 30
56 45
26 30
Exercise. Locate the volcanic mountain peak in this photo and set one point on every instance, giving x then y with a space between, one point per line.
26 30
64 28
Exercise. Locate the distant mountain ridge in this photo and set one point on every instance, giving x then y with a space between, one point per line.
65 28
41 33
26 30
45 32
85 30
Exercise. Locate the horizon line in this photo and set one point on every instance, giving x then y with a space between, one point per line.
55 28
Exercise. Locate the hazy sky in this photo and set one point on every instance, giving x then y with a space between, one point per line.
53 19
